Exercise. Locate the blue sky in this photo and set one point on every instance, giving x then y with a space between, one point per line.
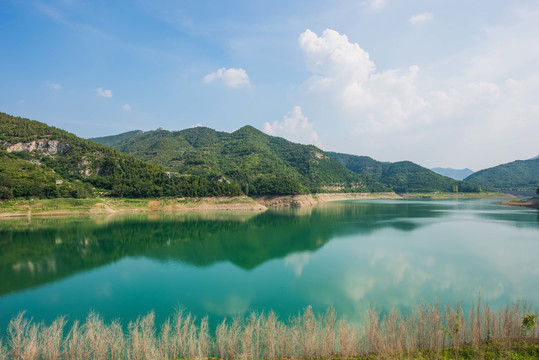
438 82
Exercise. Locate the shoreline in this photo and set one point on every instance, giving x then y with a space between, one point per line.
532 203
104 206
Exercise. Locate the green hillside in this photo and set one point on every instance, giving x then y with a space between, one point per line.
403 176
33 156
112 141
259 163
516 175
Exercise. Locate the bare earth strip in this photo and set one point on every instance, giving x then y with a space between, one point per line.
64 207
531 202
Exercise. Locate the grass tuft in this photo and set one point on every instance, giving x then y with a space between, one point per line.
427 332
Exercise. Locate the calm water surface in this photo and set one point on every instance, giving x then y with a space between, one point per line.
348 255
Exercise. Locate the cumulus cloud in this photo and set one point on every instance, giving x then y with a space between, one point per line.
231 77
404 106
421 18
126 107
332 57
104 92
344 73
379 101
295 127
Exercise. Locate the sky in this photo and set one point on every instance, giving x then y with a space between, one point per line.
450 83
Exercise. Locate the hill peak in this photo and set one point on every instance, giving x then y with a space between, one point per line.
248 130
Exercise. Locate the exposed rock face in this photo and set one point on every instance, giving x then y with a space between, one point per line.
84 169
319 155
47 146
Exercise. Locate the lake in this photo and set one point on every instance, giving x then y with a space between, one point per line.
349 255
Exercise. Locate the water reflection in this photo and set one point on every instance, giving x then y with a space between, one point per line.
40 250
350 255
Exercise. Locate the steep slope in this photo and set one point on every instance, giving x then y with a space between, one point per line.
260 163
520 174
37 160
403 176
455 174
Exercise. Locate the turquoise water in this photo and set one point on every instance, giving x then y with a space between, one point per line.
349 255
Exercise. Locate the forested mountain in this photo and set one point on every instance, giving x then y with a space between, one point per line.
520 174
37 160
259 163
455 174
403 176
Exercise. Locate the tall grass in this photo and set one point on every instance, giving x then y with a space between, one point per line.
308 335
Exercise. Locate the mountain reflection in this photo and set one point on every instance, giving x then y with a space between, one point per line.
43 250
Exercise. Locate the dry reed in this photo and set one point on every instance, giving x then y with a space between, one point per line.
265 336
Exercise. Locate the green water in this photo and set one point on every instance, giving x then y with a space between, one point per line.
348 255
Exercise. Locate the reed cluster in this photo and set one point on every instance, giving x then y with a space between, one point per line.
430 328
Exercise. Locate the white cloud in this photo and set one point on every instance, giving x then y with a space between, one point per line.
104 93
376 4
126 107
231 77
332 57
294 127
412 110
54 86
421 18
344 75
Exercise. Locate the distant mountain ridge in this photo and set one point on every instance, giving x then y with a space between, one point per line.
456 174
249 157
403 176
259 163
516 175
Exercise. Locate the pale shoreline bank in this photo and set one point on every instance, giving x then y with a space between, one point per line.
74 207
528 202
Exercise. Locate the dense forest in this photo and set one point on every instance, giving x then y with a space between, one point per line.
403 176
516 175
37 160
259 163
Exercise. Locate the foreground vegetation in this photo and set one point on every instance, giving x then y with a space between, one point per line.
428 331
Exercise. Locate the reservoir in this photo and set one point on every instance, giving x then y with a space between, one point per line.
349 255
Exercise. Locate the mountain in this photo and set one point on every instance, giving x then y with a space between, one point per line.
403 176
456 174
37 160
259 163
520 174
114 140
534 158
